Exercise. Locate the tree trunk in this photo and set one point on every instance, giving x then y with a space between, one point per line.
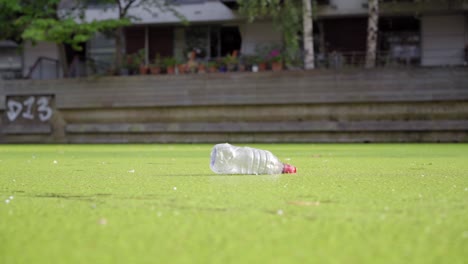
372 33
308 35
63 59
118 50
60 46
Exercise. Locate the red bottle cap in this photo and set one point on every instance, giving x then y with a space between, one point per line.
289 169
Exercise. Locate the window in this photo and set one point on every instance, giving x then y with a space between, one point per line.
399 40
101 49
212 41
198 39
323 2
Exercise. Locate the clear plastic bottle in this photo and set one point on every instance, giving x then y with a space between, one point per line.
229 159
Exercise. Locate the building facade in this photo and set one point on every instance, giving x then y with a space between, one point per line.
410 33
215 30
434 33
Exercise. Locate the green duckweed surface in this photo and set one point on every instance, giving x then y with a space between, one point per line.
348 203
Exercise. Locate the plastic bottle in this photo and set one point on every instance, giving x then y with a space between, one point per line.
229 159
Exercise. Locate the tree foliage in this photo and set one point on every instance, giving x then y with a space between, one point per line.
41 20
286 16
122 8
9 11
67 31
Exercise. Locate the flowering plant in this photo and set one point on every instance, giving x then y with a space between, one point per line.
275 56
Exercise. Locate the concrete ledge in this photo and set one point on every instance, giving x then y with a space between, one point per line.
24 130
242 127
324 137
349 105
288 87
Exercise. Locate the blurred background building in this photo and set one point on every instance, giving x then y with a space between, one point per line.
410 33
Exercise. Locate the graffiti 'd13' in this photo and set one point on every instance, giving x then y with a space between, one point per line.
28 108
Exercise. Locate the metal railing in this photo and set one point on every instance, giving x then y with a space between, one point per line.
44 68
387 59
81 67
357 59
48 68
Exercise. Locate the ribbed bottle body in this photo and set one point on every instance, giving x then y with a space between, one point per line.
229 159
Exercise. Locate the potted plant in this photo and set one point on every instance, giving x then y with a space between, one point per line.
169 63
202 67
276 60
230 61
262 65
242 66
155 68
256 63
130 64
140 60
262 56
181 66
212 66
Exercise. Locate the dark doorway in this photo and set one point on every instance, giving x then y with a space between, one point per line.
345 34
72 54
161 41
76 60
230 40
213 41
134 39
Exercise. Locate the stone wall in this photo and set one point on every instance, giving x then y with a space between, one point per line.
350 105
